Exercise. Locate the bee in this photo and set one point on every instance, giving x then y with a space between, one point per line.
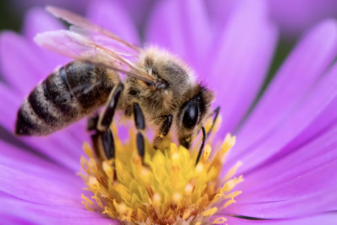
158 88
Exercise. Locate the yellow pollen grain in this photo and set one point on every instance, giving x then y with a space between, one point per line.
87 206
166 188
188 189
84 164
175 156
156 199
92 165
210 212
219 220
228 203
228 143
199 168
87 150
216 198
108 212
176 197
233 194
85 198
93 184
207 152
98 201
107 169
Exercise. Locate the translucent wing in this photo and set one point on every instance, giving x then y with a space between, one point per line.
77 46
83 23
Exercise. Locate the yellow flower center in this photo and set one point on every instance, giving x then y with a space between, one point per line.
169 189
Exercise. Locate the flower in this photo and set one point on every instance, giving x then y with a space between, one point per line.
285 141
167 188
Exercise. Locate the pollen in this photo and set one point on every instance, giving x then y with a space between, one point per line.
167 188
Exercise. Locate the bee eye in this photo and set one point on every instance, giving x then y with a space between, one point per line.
190 118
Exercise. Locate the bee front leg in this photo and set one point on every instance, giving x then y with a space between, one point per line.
140 125
163 131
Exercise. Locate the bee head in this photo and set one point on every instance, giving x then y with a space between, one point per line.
194 113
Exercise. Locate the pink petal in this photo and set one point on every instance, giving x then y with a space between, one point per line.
299 184
42 190
32 213
302 68
23 160
302 191
240 62
324 219
318 107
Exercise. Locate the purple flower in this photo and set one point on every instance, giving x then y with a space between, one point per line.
286 142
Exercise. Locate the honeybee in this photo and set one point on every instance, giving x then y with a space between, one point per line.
159 89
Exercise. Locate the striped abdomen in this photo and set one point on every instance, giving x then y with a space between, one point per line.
67 95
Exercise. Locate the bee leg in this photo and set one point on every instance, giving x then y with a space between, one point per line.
92 122
103 141
108 144
204 136
103 137
216 112
108 113
164 129
140 125
101 124
95 136
186 141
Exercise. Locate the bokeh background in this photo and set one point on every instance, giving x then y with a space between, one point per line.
293 18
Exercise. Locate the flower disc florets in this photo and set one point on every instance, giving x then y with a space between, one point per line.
168 188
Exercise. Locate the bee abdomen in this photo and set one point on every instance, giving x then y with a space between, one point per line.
66 96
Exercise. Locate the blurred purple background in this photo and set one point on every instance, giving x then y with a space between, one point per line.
292 16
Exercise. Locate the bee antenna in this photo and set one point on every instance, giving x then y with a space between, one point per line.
204 136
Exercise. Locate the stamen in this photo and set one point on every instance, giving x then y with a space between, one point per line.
167 189
232 171
220 220
210 212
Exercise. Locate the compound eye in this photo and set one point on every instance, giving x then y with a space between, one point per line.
190 118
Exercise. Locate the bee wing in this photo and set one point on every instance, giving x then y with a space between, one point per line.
80 47
83 23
